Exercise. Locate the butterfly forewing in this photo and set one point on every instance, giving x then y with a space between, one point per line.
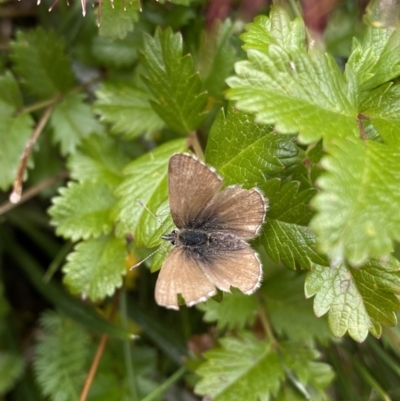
235 210
192 185
181 274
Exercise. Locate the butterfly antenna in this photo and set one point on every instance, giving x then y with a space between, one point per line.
143 260
144 206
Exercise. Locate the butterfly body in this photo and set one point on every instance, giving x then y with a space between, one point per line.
210 249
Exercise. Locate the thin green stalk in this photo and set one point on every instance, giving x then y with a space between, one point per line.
130 369
59 258
169 382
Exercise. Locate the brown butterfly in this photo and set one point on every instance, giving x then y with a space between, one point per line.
210 249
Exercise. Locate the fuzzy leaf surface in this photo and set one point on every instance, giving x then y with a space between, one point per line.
10 95
61 357
358 214
99 158
146 180
243 368
83 210
72 120
285 235
244 152
40 60
96 266
14 134
118 18
285 85
234 312
358 299
127 109
176 88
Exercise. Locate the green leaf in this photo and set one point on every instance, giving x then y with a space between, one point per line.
358 299
382 107
99 158
243 369
61 357
216 57
285 235
40 60
118 18
83 210
377 59
146 179
72 120
234 312
11 369
290 314
128 109
14 134
243 151
285 85
10 95
96 267
358 214
171 79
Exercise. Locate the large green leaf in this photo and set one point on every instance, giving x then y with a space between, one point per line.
146 180
128 109
176 88
243 369
72 120
40 60
14 134
285 85
359 299
377 59
83 210
96 267
358 214
243 152
286 236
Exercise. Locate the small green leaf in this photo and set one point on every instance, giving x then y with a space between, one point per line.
243 369
382 107
358 299
96 267
118 18
146 180
40 60
358 214
83 210
285 235
14 134
61 357
99 158
10 95
172 81
72 120
285 85
234 312
243 151
128 109
216 57
377 59
11 369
